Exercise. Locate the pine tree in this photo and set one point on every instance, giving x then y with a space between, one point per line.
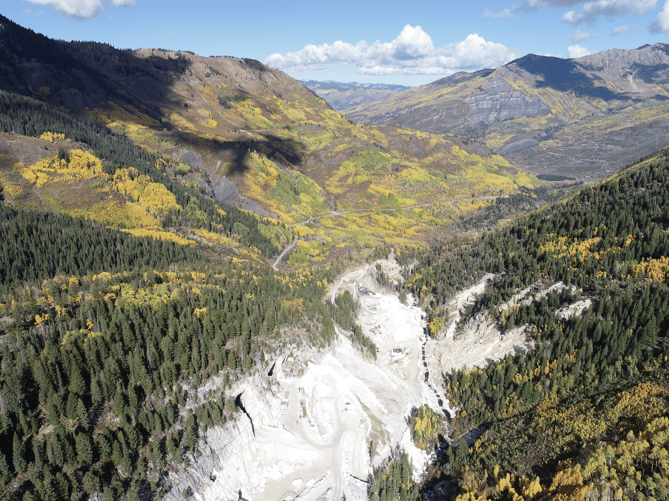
5 474
77 383
232 361
18 451
84 450
462 452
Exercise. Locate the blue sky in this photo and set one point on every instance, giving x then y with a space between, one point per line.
410 43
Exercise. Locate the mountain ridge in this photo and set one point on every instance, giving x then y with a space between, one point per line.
255 137
542 112
344 96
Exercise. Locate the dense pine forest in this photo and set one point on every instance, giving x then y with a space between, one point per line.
102 352
584 413
106 336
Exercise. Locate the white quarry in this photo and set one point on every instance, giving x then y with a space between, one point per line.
323 420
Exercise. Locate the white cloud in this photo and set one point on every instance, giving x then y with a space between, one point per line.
623 30
593 10
83 9
590 10
532 5
572 17
505 14
580 36
661 24
32 12
576 51
411 53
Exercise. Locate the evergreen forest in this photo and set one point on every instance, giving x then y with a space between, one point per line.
127 286
582 415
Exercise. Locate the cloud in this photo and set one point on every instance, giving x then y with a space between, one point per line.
580 36
82 9
572 17
411 53
32 12
661 24
623 30
576 51
593 10
532 5
505 14
590 10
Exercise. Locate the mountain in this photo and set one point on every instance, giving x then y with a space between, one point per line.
580 118
249 135
148 349
345 96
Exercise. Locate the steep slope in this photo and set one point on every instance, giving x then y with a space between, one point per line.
586 282
256 138
345 96
76 167
578 118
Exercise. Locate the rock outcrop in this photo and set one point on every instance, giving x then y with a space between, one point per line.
580 118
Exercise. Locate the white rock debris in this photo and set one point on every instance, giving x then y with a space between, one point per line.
320 432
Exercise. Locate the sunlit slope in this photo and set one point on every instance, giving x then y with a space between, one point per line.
576 118
288 152
253 137
52 173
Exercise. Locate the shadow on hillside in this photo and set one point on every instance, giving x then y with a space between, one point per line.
565 75
80 75
280 150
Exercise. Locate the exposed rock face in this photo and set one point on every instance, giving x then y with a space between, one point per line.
229 445
222 188
583 118
225 190
499 101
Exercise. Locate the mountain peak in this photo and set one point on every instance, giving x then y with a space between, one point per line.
543 112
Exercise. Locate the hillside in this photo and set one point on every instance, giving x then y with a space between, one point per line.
583 406
581 118
345 96
253 137
153 345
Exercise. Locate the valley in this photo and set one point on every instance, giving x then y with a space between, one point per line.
581 118
214 286
243 134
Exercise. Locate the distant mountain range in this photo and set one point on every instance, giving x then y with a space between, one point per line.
582 117
345 96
